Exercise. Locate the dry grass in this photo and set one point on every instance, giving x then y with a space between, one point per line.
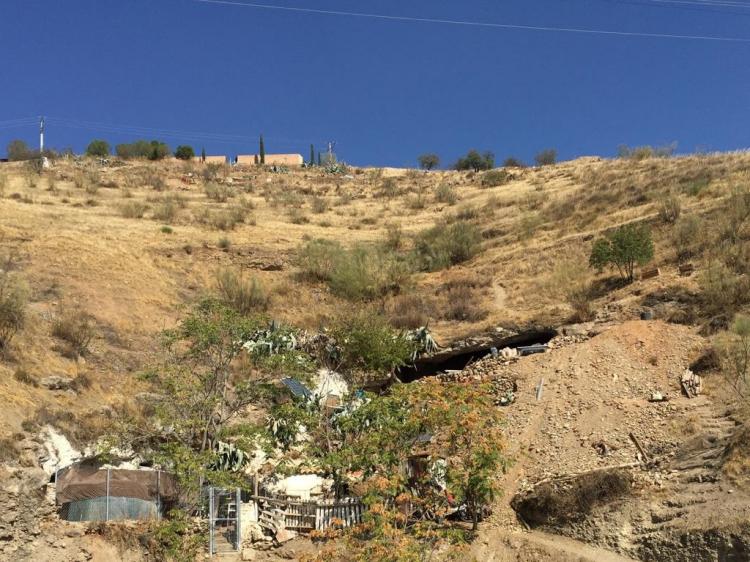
136 279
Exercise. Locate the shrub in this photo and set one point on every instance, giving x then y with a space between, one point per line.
319 205
528 225
644 152
296 216
166 210
13 300
723 292
133 209
317 259
669 208
361 273
224 219
475 161
416 202
369 343
218 192
76 328
494 178
394 237
547 157
167 229
98 147
241 294
224 243
22 376
623 248
444 193
463 305
410 311
512 162
445 245
428 161
734 353
184 152
687 236
389 188
18 150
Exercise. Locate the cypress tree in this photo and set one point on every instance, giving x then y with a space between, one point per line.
203 154
312 155
262 151
319 159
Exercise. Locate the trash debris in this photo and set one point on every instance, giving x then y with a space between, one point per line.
525 350
658 397
691 384
650 273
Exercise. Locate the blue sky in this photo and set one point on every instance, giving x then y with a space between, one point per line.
386 91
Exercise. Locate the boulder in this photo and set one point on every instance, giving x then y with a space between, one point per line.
57 382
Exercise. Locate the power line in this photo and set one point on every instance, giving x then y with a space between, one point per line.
477 23
223 138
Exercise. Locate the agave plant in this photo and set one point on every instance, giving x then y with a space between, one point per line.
229 458
272 341
425 344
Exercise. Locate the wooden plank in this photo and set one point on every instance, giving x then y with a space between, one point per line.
633 438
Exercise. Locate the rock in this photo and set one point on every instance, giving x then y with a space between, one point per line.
57 382
248 554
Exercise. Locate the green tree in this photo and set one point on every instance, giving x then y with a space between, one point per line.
262 151
98 147
546 157
623 248
184 152
159 150
476 161
429 161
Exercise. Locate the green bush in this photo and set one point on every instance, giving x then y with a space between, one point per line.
367 342
623 248
476 161
445 245
239 293
98 147
184 152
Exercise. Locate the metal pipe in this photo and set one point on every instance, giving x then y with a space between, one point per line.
106 517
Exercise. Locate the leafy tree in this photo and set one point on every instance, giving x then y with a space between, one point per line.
159 150
429 161
19 150
262 150
98 147
475 161
184 152
137 149
546 157
623 248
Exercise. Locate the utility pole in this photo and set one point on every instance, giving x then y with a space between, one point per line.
41 136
